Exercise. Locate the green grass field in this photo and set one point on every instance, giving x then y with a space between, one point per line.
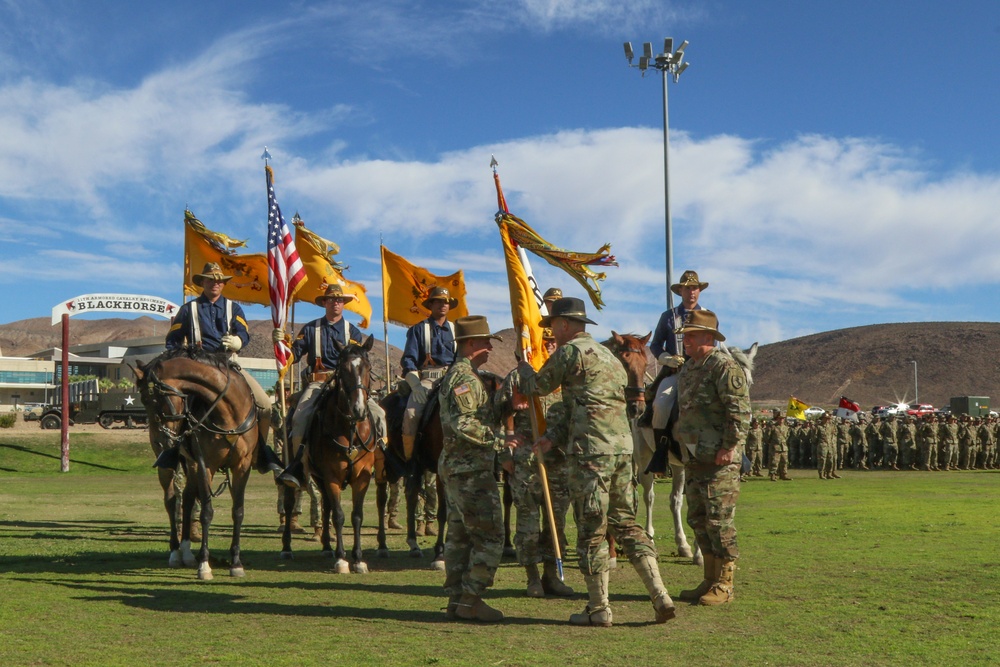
873 569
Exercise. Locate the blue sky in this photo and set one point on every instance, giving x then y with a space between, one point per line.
833 164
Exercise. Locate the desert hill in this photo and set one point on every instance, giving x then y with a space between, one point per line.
870 364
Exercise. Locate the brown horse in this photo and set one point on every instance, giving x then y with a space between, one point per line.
342 450
197 400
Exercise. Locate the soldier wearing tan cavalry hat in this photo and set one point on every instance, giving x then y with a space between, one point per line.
320 343
429 350
216 324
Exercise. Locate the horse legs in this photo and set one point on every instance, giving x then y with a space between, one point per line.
237 489
438 562
170 504
288 502
381 497
359 488
508 500
676 503
340 565
643 446
207 513
187 507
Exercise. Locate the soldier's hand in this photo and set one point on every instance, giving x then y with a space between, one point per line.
232 343
514 441
542 445
724 457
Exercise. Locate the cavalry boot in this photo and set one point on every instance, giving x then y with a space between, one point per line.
168 458
293 474
658 464
721 591
409 444
472 608
535 589
709 567
649 572
267 459
551 583
598 611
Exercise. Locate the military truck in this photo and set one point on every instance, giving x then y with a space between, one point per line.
106 409
974 406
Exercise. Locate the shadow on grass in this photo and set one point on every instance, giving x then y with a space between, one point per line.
28 450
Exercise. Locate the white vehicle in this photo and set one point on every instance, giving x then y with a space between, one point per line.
814 412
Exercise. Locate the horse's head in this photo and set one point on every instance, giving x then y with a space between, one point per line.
354 376
744 358
631 352
164 403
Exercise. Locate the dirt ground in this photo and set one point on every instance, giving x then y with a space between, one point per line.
118 431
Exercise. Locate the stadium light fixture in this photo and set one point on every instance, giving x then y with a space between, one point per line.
667 63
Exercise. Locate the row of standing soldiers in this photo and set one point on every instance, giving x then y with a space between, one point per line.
906 443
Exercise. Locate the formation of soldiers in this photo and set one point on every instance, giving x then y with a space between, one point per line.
931 442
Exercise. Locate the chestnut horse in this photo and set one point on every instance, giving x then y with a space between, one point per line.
342 451
198 401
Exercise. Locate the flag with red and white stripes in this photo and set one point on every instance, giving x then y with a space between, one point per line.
285 272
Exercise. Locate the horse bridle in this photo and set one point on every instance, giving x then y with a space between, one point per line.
158 388
345 412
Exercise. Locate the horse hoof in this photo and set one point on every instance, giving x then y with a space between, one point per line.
684 551
327 553
341 566
437 565
415 552
175 559
360 568
187 556
237 572
382 553
698 559
205 572
286 555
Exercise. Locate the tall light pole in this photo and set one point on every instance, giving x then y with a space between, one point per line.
668 62
916 394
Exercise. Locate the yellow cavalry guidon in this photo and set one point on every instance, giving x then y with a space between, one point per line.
405 287
322 270
249 271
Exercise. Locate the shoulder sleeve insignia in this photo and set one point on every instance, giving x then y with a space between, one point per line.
462 389
736 380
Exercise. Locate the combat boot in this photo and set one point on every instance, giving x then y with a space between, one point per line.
786 478
393 524
296 526
535 589
551 583
834 475
451 611
721 591
773 477
430 528
418 528
598 611
709 566
472 608
317 535
649 572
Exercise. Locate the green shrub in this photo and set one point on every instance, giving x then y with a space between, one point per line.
8 419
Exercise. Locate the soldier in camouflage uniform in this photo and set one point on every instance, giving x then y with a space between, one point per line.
843 442
755 438
906 438
532 533
776 440
874 442
966 438
474 544
392 505
278 425
927 437
887 432
599 455
794 438
986 443
712 424
826 448
948 442
859 445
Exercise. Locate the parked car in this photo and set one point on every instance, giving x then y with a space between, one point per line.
814 412
919 409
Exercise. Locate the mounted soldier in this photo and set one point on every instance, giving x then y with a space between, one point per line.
213 323
429 351
321 342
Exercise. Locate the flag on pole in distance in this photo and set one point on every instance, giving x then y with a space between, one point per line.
249 271
323 270
848 409
796 409
285 274
407 285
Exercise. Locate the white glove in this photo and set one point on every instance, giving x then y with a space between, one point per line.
278 335
232 343
413 379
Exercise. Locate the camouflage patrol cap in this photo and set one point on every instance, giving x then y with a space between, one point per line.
439 294
212 271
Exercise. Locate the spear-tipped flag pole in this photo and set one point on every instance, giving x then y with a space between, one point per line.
526 302
285 275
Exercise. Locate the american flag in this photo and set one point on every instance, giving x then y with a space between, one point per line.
284 268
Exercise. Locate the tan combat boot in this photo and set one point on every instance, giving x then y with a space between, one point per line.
649 572
451 612
472 608
392 523
317 535
551 583
693 594
598 611
430 528
535 589
296 526
721 591
418 528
